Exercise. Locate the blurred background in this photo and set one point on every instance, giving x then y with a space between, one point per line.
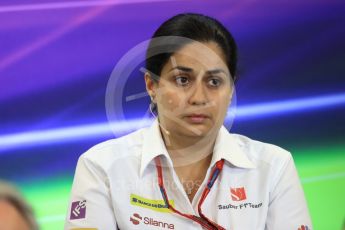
56 58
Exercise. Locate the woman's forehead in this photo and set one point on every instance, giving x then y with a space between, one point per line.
198 50
181 68
196 55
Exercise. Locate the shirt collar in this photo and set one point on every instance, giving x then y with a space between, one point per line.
230 148
226 147
153 146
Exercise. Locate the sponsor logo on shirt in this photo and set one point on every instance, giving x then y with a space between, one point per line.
83 229
240 206
156 205
238 194
136 219
304 227
78 210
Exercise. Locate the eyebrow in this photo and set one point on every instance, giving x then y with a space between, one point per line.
187 69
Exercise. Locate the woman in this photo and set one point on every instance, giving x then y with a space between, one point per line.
187 171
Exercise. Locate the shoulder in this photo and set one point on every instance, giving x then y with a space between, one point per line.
263 153
271 161
106 153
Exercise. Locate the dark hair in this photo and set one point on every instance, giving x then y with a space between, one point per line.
195 27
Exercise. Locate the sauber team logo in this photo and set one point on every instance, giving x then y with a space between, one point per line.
238 194
137 219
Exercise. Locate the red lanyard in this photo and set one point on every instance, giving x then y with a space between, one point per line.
202 220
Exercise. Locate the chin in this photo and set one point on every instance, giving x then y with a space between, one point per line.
196 131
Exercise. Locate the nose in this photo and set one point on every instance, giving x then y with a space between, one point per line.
198 95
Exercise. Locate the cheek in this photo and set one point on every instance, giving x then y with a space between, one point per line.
222 102
170 101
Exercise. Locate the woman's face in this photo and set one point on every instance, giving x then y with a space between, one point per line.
194 90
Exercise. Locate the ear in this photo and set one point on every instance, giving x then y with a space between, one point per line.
150 85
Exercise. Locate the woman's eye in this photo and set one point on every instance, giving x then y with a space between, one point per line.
214 82
181 80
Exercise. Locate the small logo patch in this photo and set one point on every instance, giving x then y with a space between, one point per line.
135 219
304 227
238 194
78 210
83 229
156 205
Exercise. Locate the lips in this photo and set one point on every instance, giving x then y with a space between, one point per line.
196 118
197 115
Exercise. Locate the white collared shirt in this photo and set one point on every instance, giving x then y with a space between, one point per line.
115 187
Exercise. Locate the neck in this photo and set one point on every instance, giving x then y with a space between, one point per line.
193 151
191 158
